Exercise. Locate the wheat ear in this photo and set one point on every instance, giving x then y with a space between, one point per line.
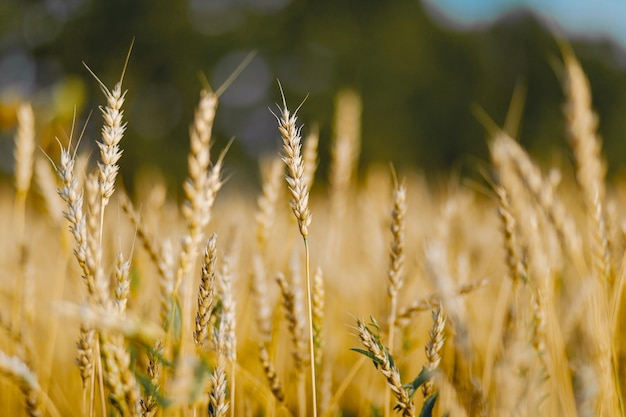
218 405
582 126
123 387
309 155
292 157
122 284
383 360
225 291
266 202
292 302
17 370
85 347
345 149
433 347
396 265
318 315
206 292
200 190
149 405
509 157
73 197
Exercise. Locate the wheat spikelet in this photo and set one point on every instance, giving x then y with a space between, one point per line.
266 202
508 156
292 303
24 148
318 315
112 132
206 292
433 347
119 377
84 360
309 155
229 350
396 264
122 287
149 405
23 153
218 405
582 126
292 157
200 189
94 208
590 170
517 271
73 197
387 368
396 253
346 148
196 208
166 283
44 177
273 379
263 315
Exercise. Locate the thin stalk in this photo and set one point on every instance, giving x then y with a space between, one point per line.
233 369
392 319
311 342
100 378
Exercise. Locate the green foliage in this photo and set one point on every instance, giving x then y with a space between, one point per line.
429 404
419 380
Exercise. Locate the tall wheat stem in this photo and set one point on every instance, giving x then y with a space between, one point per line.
309 294
292 148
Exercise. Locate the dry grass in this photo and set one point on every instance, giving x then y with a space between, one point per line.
507 305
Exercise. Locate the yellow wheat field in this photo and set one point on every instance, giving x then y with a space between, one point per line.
382 296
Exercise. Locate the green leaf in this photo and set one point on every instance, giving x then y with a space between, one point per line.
176 319
374 323
429 404
419 380
151 389
369 355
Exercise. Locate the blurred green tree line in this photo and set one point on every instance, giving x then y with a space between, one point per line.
418 78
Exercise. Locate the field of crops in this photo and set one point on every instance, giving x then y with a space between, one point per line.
384 295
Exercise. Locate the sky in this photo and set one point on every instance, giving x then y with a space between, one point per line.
595 18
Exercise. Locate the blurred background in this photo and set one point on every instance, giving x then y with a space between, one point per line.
420 66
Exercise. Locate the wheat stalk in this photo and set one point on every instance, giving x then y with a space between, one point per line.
396 265
292 157
24 150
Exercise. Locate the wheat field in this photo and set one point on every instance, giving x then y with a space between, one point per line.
375 296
